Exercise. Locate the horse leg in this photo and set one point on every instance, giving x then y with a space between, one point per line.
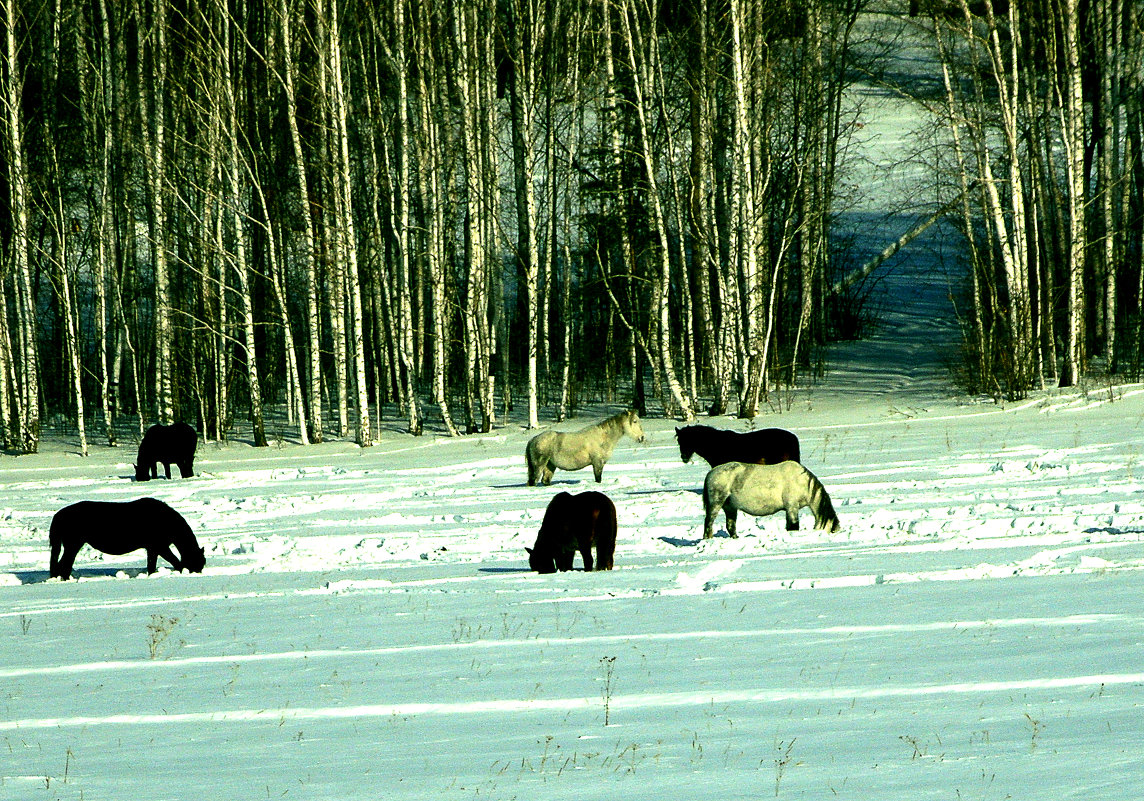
153 555
167 469
598 469
792 519
533 470
732 520
185 469
710 512
63 568
546 471
54 565
564 559
586 553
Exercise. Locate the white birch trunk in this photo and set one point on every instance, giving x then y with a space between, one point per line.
643 75
524 40
313 321
346 229
474 306
27 373
429 152
404 334
153 42
237 206
743 208
1073 132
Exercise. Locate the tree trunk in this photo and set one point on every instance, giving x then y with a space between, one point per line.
313 321
643 75
27 373
1073 132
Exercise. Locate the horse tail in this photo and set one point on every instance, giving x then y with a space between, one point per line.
606 544
530 458
822 506
54 540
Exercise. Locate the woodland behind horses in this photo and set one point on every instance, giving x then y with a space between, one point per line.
307 214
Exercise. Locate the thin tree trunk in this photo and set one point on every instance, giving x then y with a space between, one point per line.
525 33
27 374
346 228
643 75
313 321
237 204
1073 132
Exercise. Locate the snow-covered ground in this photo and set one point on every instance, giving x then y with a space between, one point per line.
366 627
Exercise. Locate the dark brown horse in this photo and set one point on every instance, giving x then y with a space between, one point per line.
119 528
719 446
575 523
166 445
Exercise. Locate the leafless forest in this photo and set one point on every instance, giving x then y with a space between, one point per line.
343 209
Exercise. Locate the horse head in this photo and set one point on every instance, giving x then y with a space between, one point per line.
632 426
541 562
194 560
686 448
141 473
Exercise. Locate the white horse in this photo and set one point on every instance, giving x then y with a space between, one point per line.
763 489
588 446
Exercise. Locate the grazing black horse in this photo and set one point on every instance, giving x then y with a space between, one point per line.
173 444
119 528
719 445
575 523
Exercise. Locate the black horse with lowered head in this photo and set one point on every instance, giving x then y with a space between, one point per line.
575 523
173 444
122 527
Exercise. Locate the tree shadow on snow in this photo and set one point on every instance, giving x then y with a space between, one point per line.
666 491
555 483
40 576
682 543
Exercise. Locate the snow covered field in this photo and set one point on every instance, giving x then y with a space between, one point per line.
366 627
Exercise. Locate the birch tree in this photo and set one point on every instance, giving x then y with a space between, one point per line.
1073 142
26 368
525 35
643 71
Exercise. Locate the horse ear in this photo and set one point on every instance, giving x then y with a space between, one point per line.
528 549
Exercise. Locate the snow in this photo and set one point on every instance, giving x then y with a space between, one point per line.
366 626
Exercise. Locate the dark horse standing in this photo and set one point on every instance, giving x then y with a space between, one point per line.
575 523
719 446
119 528
173 444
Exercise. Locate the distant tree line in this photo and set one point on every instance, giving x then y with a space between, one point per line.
1042 103
211 208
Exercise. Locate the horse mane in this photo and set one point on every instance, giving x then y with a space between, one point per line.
616 421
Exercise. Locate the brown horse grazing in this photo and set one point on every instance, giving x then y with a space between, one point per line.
119 528
719 445
173 444
575 450
763 489
575 523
